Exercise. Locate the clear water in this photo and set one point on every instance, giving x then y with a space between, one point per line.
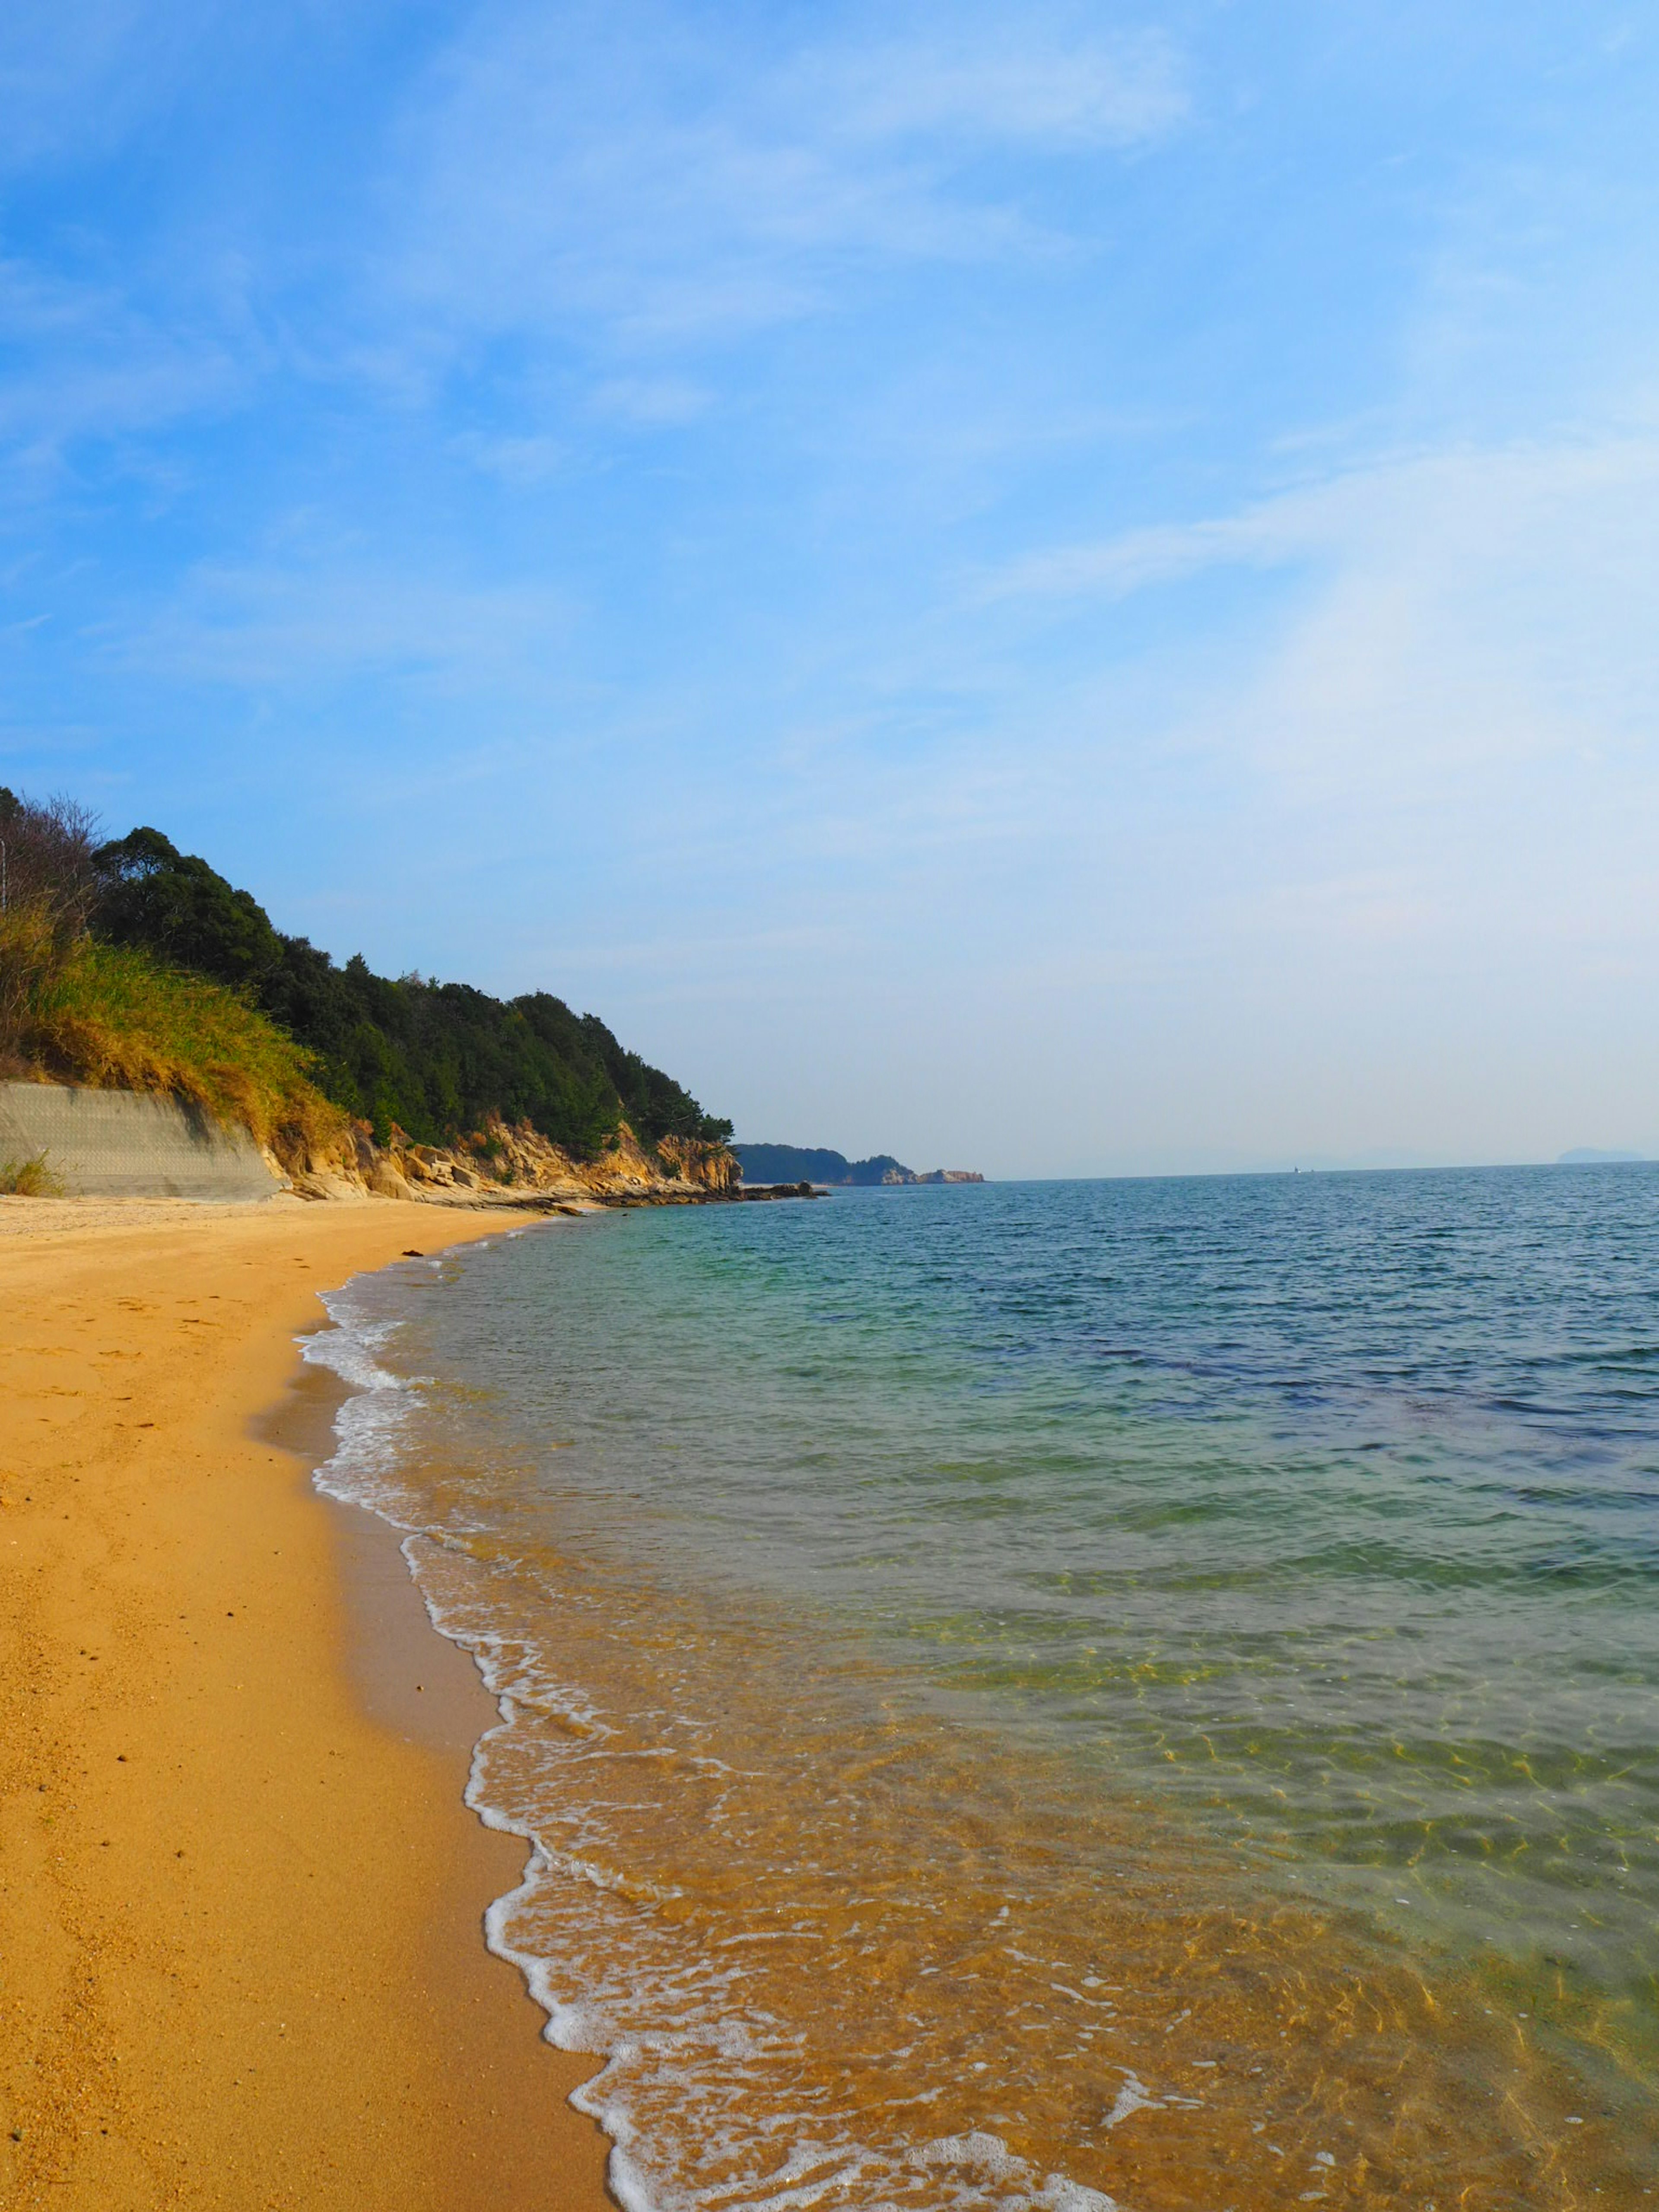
1044 1693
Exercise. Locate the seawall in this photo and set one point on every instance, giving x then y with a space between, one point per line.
122 1143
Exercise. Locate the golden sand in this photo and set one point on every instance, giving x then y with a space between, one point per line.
241 1955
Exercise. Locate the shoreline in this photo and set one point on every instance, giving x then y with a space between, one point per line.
241 1898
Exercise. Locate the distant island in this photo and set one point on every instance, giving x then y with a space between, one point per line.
1586 1156
769 1163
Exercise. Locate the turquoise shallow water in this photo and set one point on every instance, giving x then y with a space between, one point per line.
1243 1587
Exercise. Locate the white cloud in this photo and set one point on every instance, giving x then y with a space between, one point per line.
1468 607
619 169
1166 553
1483 611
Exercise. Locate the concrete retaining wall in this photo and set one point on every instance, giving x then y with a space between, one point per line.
118 1144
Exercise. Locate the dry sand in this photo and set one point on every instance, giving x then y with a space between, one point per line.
240 1956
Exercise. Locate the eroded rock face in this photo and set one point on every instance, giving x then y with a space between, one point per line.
513 1165
709 1167
383 1180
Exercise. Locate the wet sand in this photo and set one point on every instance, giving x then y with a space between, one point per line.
241 1955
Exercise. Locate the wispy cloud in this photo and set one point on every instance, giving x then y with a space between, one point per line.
75 75
91 363
652 402
1166 553
308 624
520 462
1015 81
568 165
1509 500
1463 604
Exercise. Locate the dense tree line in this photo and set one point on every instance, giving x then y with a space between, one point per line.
436 1059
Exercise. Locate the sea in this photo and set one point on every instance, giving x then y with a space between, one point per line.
1135 1692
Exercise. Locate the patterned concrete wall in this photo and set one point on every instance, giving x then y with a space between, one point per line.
117 1144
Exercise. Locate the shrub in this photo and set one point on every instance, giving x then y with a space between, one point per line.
48 885
30 956
48 861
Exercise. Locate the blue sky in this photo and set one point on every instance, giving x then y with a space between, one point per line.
1058 589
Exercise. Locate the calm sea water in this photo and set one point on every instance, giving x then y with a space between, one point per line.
1123 1692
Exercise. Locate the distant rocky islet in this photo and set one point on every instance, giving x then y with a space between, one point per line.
798 1164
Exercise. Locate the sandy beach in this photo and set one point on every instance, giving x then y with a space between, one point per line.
240 1956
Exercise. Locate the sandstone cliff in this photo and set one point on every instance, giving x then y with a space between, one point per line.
516 1166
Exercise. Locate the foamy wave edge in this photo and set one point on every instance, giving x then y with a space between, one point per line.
369 1426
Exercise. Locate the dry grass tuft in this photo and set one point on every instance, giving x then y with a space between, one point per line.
30 1178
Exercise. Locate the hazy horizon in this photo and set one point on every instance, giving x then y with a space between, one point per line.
1400 1164
1063 592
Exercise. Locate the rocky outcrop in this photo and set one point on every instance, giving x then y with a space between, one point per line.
713 1167
514 1166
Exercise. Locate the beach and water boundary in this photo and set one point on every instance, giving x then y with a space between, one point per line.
1053 1693
240 1897
381 1596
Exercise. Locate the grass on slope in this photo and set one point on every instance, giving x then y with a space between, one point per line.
112 1017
